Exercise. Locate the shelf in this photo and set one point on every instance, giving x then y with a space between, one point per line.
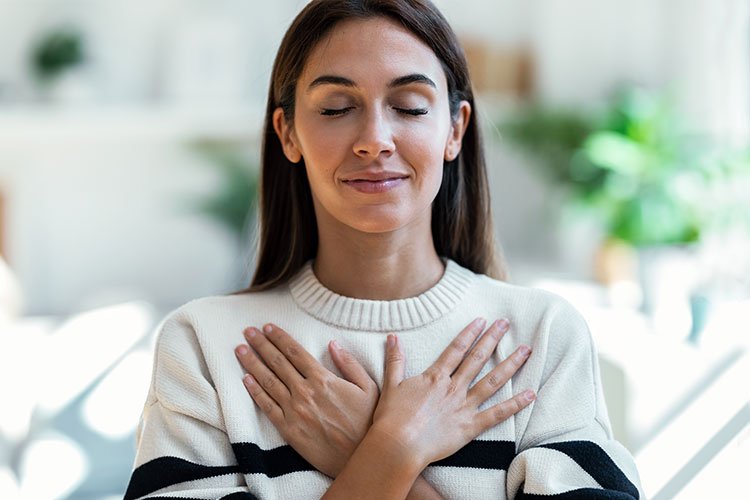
30 125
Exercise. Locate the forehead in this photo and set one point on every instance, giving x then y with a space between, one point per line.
370 50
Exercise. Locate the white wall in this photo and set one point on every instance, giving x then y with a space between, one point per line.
87 215
90 223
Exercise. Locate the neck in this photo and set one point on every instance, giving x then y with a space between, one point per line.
384 266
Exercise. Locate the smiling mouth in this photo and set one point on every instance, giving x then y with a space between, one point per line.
376 185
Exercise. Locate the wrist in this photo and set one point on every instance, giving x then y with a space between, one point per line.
398 448
381 467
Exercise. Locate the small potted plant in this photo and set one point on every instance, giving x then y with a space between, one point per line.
52 61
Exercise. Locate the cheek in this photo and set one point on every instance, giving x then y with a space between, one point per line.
423 149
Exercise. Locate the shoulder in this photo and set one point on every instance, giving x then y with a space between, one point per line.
540 316
192 315
525 300
187 331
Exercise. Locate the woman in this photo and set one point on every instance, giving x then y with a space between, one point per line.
376 248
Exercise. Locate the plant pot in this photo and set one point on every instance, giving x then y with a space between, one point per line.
668 275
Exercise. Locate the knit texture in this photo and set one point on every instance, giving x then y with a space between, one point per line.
201 435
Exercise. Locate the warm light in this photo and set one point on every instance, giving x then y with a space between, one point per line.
85 347
52 467
115 405
8 484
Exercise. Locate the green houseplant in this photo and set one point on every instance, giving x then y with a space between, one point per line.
655 189
630 164
233 204
56 52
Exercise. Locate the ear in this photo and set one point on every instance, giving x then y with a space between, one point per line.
458 128
287 137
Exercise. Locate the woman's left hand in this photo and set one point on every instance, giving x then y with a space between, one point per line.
322 416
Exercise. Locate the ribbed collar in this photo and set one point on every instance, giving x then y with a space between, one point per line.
380 315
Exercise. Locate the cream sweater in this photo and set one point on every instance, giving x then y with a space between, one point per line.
201 435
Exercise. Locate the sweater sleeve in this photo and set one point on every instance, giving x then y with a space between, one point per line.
567 449
183 450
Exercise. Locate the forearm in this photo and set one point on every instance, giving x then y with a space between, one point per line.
380 468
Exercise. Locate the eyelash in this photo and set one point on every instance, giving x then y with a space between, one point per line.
406 111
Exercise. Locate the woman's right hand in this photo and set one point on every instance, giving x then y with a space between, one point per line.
435 414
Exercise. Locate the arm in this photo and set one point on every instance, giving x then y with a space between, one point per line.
182 446
566 445
428 417
326 429
417 421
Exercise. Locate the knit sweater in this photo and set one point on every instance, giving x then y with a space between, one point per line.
202 436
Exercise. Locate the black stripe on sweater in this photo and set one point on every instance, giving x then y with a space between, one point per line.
495 455
251 459
167 471
595 461
273 463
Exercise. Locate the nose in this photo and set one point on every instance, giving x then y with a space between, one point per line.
375 136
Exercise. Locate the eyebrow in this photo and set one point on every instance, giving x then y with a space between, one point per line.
396 82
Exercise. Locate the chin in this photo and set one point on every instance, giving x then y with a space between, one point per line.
382 221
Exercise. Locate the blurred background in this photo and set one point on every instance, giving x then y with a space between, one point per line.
618 136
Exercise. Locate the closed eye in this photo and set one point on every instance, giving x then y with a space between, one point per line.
336 112
412 111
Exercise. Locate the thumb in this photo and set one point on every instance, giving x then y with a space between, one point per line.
394 362
350 368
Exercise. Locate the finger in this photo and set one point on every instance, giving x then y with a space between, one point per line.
394 362
265 402
263 376
350 368
273 358
498 413
451 357
480 353
498 377
297 355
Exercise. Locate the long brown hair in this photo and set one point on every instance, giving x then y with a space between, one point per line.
461 218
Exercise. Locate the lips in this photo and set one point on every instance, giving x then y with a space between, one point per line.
375 182
375 176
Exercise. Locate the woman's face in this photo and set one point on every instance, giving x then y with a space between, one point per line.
373 124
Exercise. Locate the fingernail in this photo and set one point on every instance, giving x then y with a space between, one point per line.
480 323
248 379
335 345
503 325
241 350
391 340
529 395
524 350
250 332
268 328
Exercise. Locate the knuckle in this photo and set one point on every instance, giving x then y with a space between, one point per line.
292 351
277 360
347 358
459 345
323 378
478 355
494 380
269 382
501 412
516 405
266 406
452 387
395 357
433 375
301 408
